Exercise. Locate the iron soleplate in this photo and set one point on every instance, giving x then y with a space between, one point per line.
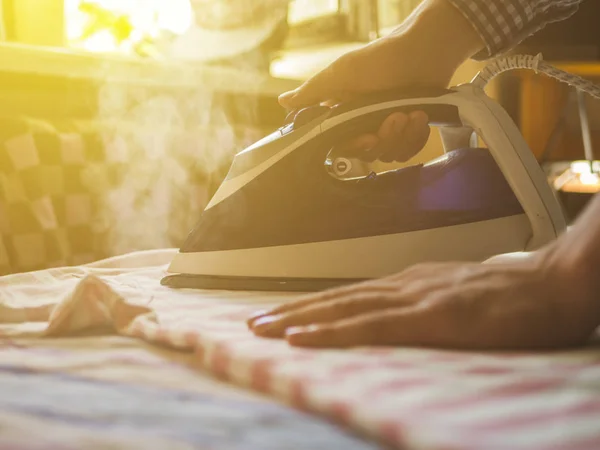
212 282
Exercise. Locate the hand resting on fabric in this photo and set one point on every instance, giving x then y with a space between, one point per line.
455 305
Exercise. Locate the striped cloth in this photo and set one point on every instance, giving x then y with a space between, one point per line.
113 392
502 24
409 398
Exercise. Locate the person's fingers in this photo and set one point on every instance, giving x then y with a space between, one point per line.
408 326
380 297
359 146
367 147
392 137
392 126
416 135
317 297
383 293
399 138
410 136
413 283
320 88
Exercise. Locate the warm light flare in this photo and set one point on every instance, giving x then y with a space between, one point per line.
581 177
589 179
147 18
582 167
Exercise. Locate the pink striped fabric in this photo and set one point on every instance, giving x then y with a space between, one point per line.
410 398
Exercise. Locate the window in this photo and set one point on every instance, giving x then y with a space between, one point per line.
115 26
393 12
318 21
125 26
303 10
142 26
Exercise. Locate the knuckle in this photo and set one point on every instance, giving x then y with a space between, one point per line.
330 309
343 62
417 270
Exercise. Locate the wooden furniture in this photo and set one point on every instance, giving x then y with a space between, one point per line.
545 112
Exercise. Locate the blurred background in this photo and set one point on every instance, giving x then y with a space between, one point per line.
119 118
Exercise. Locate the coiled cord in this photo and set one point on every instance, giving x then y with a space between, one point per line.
537 64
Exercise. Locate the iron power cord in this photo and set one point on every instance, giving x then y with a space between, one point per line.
537 64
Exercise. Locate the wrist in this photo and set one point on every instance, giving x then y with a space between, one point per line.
445 33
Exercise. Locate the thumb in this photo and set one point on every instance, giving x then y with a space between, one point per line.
319 88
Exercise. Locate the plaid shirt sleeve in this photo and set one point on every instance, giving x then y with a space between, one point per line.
502 24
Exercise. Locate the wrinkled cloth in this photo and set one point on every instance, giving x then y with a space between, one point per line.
408 397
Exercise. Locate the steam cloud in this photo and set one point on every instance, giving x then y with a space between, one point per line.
172 137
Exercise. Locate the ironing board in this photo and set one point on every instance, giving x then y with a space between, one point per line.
409 398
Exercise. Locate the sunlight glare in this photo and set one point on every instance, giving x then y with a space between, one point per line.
147 17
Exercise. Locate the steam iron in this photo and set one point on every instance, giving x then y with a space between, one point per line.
283 221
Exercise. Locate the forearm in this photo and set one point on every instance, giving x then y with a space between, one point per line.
448 32
445 32
439 39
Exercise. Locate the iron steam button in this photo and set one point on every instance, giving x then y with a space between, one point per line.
287 129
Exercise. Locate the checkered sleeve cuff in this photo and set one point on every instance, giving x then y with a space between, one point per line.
502 24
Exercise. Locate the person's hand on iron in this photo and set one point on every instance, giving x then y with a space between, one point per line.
400 136
540 303
424 51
